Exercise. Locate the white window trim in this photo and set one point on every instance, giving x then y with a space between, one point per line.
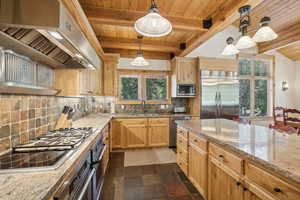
252 79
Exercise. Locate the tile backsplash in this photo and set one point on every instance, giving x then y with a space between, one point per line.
26 117
151 108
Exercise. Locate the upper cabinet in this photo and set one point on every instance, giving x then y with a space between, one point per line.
78 82
109 74
185 70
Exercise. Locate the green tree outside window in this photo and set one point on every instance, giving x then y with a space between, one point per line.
156 89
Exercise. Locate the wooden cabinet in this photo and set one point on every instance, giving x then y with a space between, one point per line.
250 196
222 185
182 150
106 139
198 168
186 70
116 134
158 132
140 132
74 82
109 74
135 132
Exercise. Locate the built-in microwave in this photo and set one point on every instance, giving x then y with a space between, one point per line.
187 90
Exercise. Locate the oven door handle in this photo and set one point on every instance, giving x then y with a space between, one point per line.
100 157
86 184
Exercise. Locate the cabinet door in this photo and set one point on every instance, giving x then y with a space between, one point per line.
85 87
222 186
135 133
198 168
250 196
158 132
186 71
116 134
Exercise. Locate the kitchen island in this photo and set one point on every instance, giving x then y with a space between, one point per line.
247 161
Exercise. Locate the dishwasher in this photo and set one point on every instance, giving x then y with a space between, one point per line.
173 129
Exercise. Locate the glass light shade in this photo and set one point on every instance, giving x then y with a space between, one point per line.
153 25
230 49
245 42
139 61
264 34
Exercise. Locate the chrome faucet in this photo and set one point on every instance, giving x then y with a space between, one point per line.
143 105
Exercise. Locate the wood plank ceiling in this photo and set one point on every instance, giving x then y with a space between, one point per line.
113 21
285 15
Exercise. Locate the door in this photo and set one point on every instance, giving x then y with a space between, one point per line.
158 132
228 98
198 168
135 132
222 186
250 196
116 134
209 101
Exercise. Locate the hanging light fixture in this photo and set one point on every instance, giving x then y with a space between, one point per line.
263 34
153 24
230 49
140 60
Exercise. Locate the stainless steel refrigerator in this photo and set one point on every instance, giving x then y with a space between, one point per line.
219 95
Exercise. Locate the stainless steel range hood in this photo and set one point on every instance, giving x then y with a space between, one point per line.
45 31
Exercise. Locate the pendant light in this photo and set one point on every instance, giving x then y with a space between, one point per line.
230 49
140 60
263 34
153 24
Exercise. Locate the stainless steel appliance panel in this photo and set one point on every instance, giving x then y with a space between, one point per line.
209 99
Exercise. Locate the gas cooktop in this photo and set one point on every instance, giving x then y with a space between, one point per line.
46 152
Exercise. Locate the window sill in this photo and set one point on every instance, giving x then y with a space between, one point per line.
140 102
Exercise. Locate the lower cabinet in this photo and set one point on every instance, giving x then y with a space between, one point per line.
140 132
134 132
198 168
158 132
105 159
221 184
250 196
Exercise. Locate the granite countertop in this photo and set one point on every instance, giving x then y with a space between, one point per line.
151 115
272 149
40 185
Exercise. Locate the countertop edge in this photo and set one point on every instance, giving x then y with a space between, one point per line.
275 169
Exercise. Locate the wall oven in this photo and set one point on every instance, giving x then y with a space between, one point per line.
86 180
97 152
186 90
79 184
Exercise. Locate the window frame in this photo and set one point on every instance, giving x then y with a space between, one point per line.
142 76
252 77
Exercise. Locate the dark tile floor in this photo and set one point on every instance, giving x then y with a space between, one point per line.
150 182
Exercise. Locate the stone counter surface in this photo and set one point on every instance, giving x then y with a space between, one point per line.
276 151
40 185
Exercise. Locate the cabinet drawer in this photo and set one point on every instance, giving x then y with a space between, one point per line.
278 188
159 121
228 159
182 132
183 154
183 166
199 142
182 143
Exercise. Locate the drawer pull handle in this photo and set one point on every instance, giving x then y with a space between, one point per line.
195 140
245 189
277 189
180 152
238 183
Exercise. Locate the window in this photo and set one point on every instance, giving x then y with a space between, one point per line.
255 77
154 87
129 88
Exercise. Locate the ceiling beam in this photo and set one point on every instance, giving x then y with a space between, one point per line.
224 18
133 44
286 36
122 17
126 53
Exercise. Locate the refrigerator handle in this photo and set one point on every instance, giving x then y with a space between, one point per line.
220 104
217 104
